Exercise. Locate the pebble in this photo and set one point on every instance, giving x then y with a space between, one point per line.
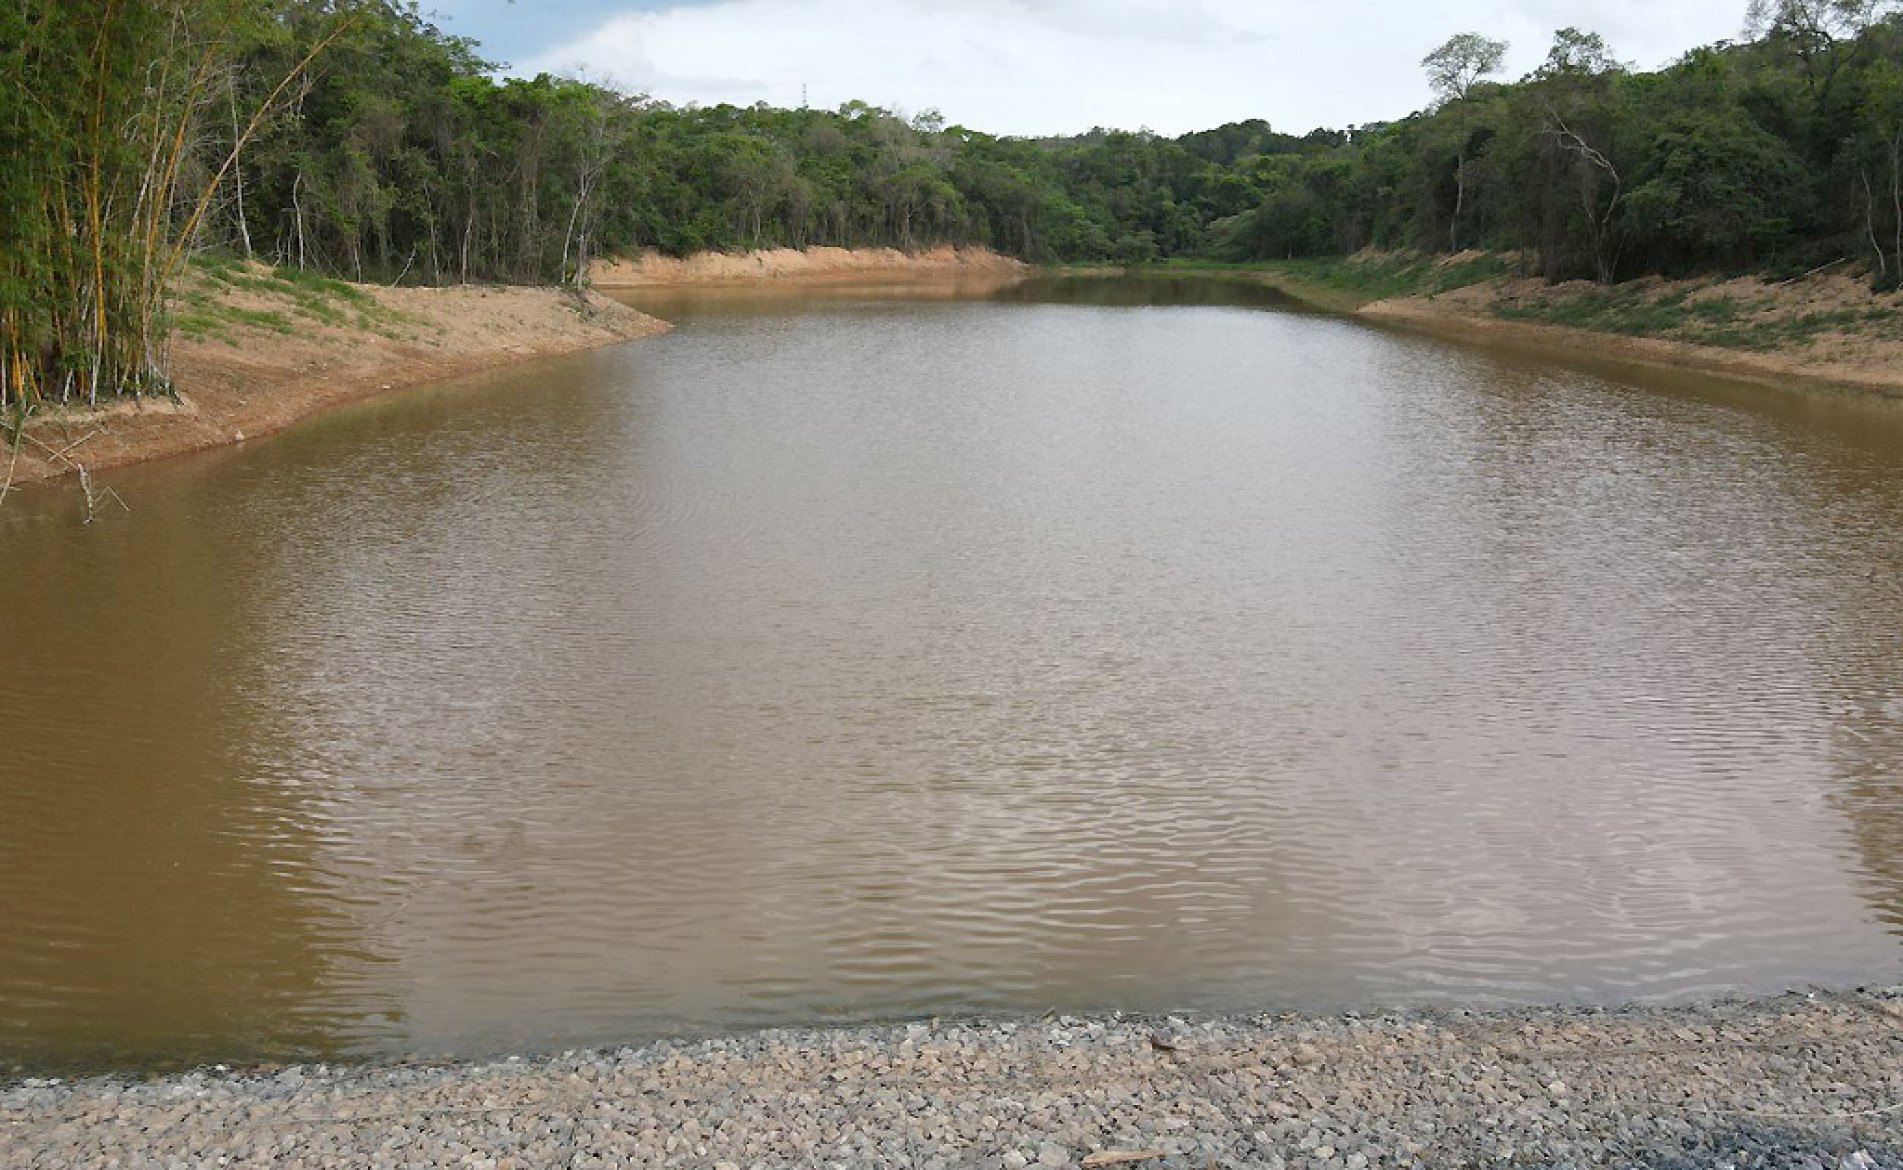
1799 1080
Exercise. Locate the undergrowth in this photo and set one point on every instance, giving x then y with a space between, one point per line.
1348 282
1379 276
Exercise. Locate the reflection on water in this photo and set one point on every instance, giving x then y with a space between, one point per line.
160 894
845 655
1138 291
1859 574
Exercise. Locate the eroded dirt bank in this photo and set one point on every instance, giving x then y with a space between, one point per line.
1820 332
257 352
1827 331
787 264
1801 1080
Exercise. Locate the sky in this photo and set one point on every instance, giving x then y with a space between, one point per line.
1058 66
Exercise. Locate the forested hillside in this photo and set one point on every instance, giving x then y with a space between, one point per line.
353 137
400 154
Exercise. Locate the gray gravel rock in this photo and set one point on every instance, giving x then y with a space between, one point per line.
1800 1080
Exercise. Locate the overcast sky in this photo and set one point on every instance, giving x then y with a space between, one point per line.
1059 66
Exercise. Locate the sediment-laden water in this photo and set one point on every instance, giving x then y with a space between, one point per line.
845 656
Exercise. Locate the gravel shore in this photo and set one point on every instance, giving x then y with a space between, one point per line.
1800 1080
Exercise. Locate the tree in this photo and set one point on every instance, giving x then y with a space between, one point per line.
1826 34
1452 71
1578 53
1715 190
1879 162
1833 19
1464 59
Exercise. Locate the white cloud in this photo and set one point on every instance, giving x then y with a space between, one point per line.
1061 66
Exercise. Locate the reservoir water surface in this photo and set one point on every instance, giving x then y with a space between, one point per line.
850 655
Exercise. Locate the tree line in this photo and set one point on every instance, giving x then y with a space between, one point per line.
1781 152
356 138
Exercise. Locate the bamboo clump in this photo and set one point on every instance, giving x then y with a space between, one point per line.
105 117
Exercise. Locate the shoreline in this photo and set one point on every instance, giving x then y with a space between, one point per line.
1781 370
270 358
241 381
244 381
1748 1082
1873 369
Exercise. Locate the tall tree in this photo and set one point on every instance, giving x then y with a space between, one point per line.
1459 62
1452 71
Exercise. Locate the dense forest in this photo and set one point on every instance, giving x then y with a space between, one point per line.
353 137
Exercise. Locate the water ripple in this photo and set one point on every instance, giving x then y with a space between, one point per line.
892 659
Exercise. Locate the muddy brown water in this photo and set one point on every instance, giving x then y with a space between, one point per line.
845 656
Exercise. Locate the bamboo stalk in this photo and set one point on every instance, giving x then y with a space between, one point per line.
95 221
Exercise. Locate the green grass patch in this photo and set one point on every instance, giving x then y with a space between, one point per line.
213 320
1635 311
317 284
1628 310
300 295
1352 281
1724 321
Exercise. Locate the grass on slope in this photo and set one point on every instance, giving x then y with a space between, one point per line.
222 296
1742 317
